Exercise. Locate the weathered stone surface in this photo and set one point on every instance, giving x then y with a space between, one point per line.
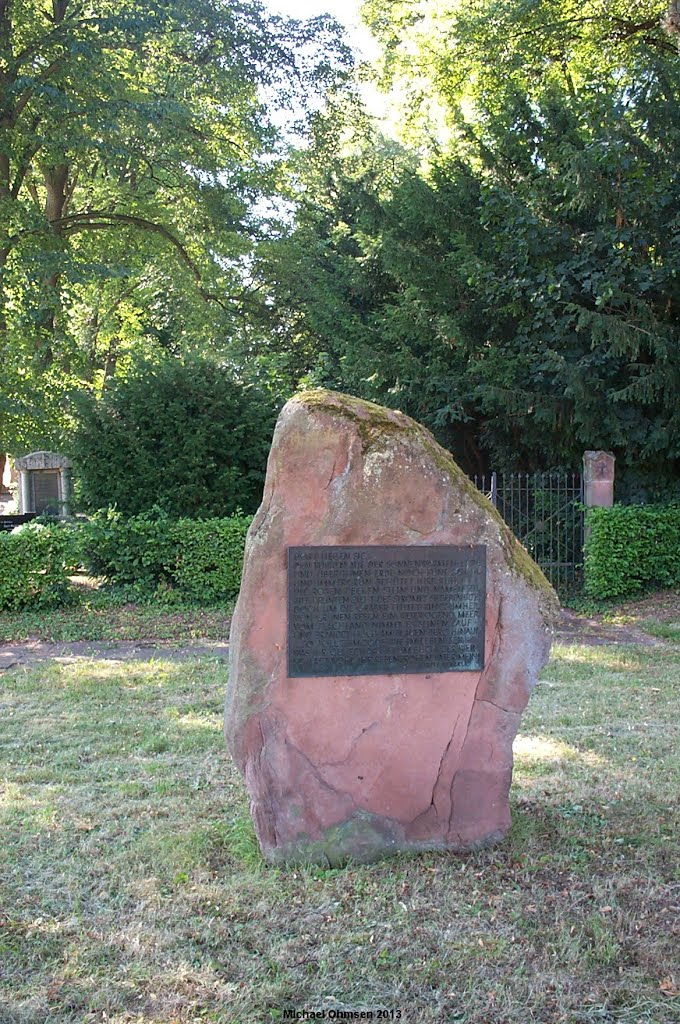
42 460
359 766
598 479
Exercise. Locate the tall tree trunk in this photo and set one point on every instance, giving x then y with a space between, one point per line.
4 256
672 20
56 181
111 361
5 198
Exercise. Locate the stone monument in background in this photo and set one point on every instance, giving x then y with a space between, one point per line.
45 483
386 638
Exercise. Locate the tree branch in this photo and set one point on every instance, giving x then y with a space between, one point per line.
26 95
25 162
101 220
57 33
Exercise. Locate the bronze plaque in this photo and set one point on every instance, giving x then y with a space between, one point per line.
384 610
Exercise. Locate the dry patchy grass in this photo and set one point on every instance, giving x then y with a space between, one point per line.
98 618
132 890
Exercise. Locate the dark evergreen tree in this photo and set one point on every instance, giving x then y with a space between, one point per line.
179 434
519 288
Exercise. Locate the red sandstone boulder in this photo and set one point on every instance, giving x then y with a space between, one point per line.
359 766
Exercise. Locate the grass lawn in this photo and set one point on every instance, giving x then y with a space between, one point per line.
99 617
131 890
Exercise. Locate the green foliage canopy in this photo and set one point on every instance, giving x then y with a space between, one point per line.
135 140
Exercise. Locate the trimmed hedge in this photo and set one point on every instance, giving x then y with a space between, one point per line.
138 550
630 548
35 561
209 557
200 559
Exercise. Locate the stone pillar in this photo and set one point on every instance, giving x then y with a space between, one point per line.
65 492
598 479
24 500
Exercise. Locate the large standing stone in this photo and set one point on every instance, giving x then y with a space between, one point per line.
359 766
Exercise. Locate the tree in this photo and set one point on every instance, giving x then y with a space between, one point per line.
519 289
135 140
180 434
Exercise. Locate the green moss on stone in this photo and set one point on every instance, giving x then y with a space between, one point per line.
375 424
362 839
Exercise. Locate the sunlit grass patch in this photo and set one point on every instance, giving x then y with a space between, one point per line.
543 750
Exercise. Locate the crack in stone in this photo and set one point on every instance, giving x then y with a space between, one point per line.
262 744
331 477
441 765
455 836
495 644
267 803
421 533
391 697
343 760
444 513
485 700
317 774
453 779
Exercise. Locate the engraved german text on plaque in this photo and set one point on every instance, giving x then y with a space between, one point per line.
385 609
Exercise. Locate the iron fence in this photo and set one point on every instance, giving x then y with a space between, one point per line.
545 512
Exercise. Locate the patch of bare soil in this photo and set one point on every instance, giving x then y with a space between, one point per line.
580 629
664 607
124 650
629 623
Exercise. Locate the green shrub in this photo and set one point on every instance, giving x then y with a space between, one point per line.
209 557
631 547
34 563
198 559
180 434
70 535
136 550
